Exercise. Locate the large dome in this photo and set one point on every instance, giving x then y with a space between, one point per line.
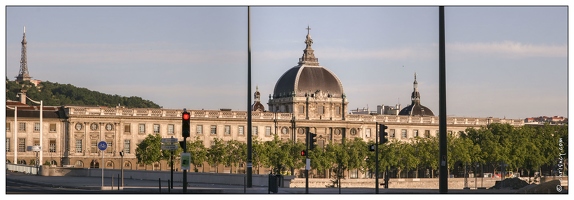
302 79
308 77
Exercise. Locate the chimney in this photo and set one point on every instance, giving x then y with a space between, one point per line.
22 95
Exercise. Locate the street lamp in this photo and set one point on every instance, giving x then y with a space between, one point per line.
41 126
15 133
122 168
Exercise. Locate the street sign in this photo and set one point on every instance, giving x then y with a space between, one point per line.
102 145
185 159
168 140
36 148
168 147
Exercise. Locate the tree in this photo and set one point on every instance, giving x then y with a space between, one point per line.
357 151
215 153
428 153
295 160
320 162
149 150
236 151
259 155
197 151
390 156
278 154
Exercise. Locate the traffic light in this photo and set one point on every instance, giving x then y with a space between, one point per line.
372 147
312 140
382 134
303 153
185 123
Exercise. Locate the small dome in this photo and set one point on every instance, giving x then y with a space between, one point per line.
416 109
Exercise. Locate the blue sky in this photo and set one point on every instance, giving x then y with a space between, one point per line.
506 61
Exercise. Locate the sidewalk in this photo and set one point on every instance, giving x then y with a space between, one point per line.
136 186
130 185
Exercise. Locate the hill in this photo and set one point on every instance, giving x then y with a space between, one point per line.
55 94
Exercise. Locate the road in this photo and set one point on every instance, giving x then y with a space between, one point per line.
19 183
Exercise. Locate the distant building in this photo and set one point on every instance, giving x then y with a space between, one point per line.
381 110
555 120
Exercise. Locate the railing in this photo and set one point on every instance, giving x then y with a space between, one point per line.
287 116
22 168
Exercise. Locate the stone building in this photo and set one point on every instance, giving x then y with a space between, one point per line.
306 95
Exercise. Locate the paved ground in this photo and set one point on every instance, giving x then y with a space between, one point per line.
136 186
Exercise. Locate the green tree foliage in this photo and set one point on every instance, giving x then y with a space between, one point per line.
235 154
295 160
215 154
319 159
278 154
357 154
428 153
197 151
149 150
520 148
55 94
339 154
259 155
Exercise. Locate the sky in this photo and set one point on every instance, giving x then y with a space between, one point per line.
501 61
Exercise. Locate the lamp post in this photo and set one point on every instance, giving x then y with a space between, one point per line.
122 168
15 138
41 126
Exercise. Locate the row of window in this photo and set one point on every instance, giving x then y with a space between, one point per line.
22 144
23 125
228 131
404 133
320 110
198 129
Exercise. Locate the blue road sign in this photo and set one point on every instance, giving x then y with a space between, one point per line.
102 145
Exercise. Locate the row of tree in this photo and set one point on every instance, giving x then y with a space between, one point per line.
520 148
55 94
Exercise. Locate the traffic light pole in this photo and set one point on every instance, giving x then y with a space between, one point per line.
306 160
377 158
185 129
184 171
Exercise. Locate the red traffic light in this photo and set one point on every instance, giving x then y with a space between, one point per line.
303 153
185 116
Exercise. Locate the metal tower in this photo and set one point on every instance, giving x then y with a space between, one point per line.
23 75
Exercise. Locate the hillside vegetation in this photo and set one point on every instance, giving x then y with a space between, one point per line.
55 94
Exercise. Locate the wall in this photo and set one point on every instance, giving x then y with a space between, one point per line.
288 181
192 177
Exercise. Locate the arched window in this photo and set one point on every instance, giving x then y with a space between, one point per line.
94 164
110 164
127 165
79 164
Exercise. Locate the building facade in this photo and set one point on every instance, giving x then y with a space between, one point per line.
306 95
